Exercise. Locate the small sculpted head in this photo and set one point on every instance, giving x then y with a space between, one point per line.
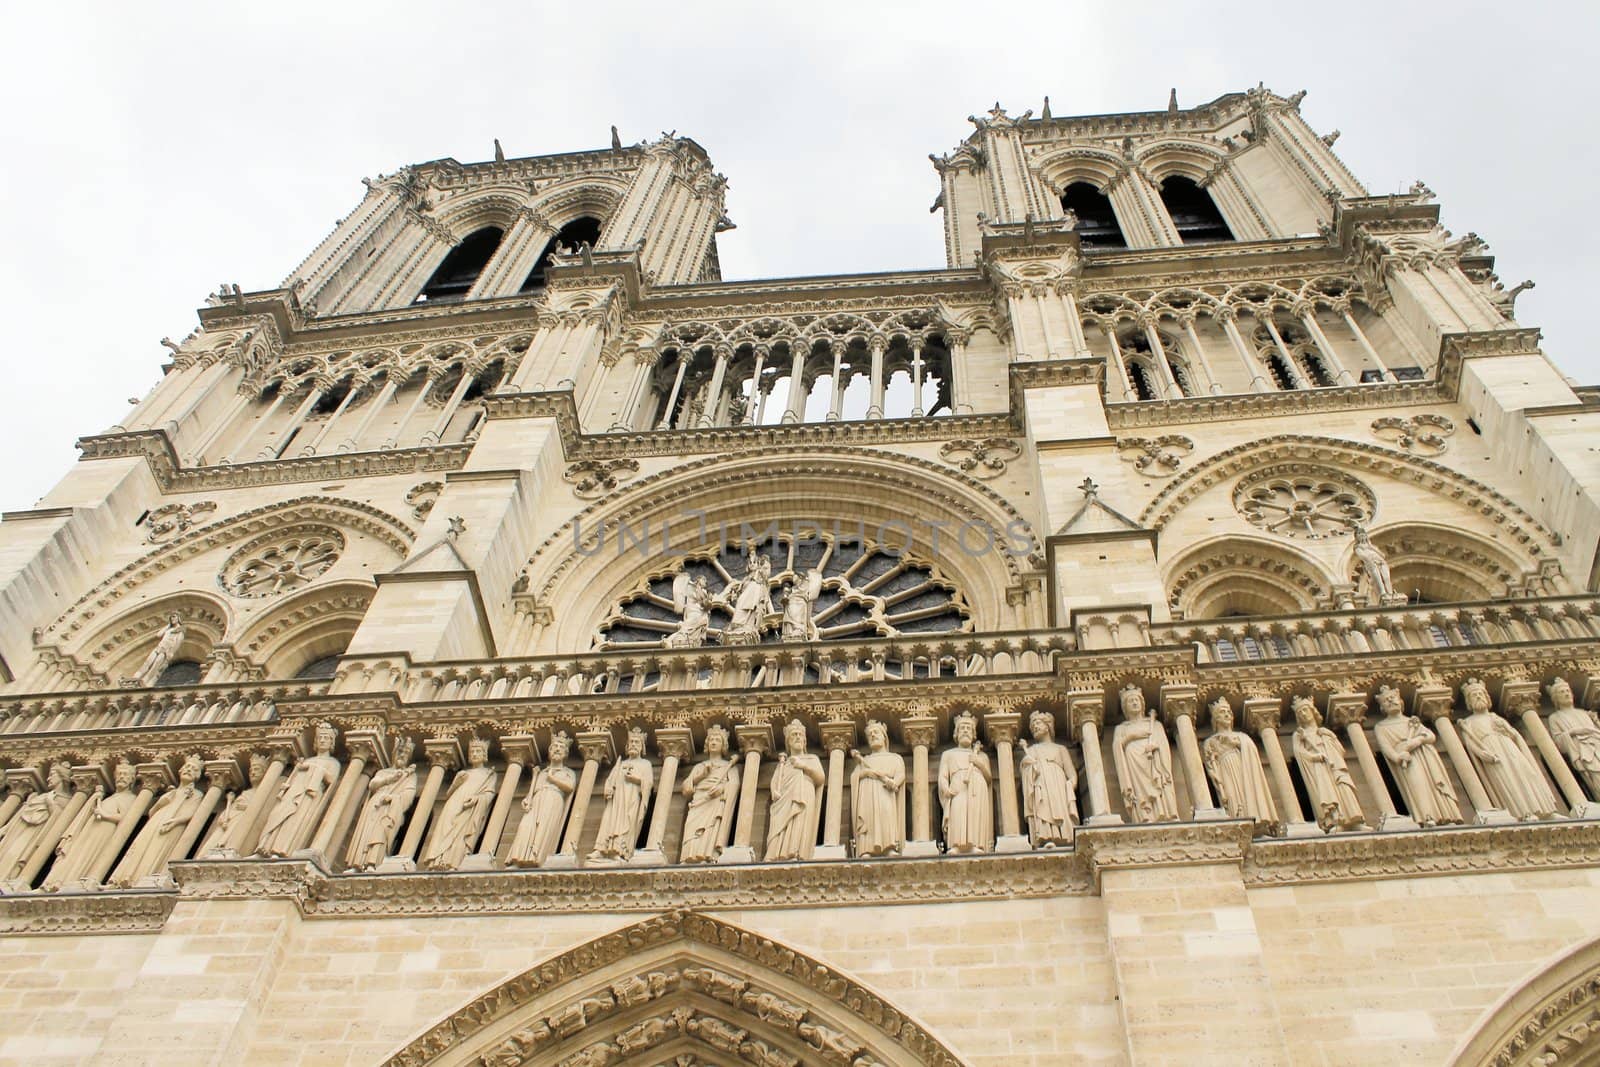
1476 696
794 737
478 751
560 745
1132 701
965 728
404 748
1560 694
1042 725
124 776
1390 702
326 736
1221 715
191 770
60 775
877 736
635 743
716 741
258 766
1305 712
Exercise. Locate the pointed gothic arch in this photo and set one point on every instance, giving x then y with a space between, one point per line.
1552 1016
680 981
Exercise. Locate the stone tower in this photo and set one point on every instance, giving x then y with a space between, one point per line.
1165 633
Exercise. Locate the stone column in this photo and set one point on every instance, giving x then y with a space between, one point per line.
153 777
875 410
332 420
1001 728
1521 697
1433 706
676 744
916 377
1086 711
794 409
365 747
708 417
520 751
836 399
1263 713
1117 362
1179 705
1308 318
221 425
920 733
960 392
428 382
752 414
837 738
375 406
754 739
436 432
21 783
596 747
88 781
1158 355
1296 379
684 358
1252 365
1200 362
1348 712
274 449
1366 345
444 755
248 832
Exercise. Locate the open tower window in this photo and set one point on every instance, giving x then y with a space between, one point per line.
1193 211
584 230
1097 222
460 269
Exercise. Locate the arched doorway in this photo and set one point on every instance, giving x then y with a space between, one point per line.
679 983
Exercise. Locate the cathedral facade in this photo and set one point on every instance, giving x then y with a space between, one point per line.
1167 633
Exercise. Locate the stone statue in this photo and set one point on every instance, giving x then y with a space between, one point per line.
693 604
710 787
1143 759
1507 766
966 790
750 600
1375 564
389 797
1320 757
1576 733
300 798
1049 784
544 809
147 857
28 827
878 795
796 791
1408 744
466 809
91 832
627 795
160 657
798 600
1233 763
233 809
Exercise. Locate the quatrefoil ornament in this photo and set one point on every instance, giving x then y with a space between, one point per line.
1421 435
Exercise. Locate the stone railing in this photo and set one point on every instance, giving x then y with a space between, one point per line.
118 709
737 667
1425 626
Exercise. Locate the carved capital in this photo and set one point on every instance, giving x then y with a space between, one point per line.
366 745
1518 695
1001 727
24 781
1179 701
87 777
519 748
837 736
675 741
443 752
1432 702
920 730
155 776
1086 706
596 746
1347 708
225 774
1263 713
754 737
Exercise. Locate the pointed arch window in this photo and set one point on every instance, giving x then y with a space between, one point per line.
584 230
1194 214
1097 221
460 269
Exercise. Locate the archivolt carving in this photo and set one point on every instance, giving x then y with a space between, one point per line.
1551 1017
339 606
653 497
679 980
332 511
205 619
1244 575
1471 493
1445 564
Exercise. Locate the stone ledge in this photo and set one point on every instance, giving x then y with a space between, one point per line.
131 912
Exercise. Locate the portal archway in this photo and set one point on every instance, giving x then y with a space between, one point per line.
1552 1017
678 982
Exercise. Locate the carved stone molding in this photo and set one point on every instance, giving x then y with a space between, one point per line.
136 912
170 520
1162 845
1421 435
422 496
1155 457
592 479
982 459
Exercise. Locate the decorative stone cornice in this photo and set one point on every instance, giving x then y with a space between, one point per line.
1238 406
131 912
1162 845
1463 850
248 879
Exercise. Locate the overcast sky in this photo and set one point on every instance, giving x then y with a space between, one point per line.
150 154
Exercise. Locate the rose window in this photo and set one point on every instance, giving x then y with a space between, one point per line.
280 563
815 589
1299 503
